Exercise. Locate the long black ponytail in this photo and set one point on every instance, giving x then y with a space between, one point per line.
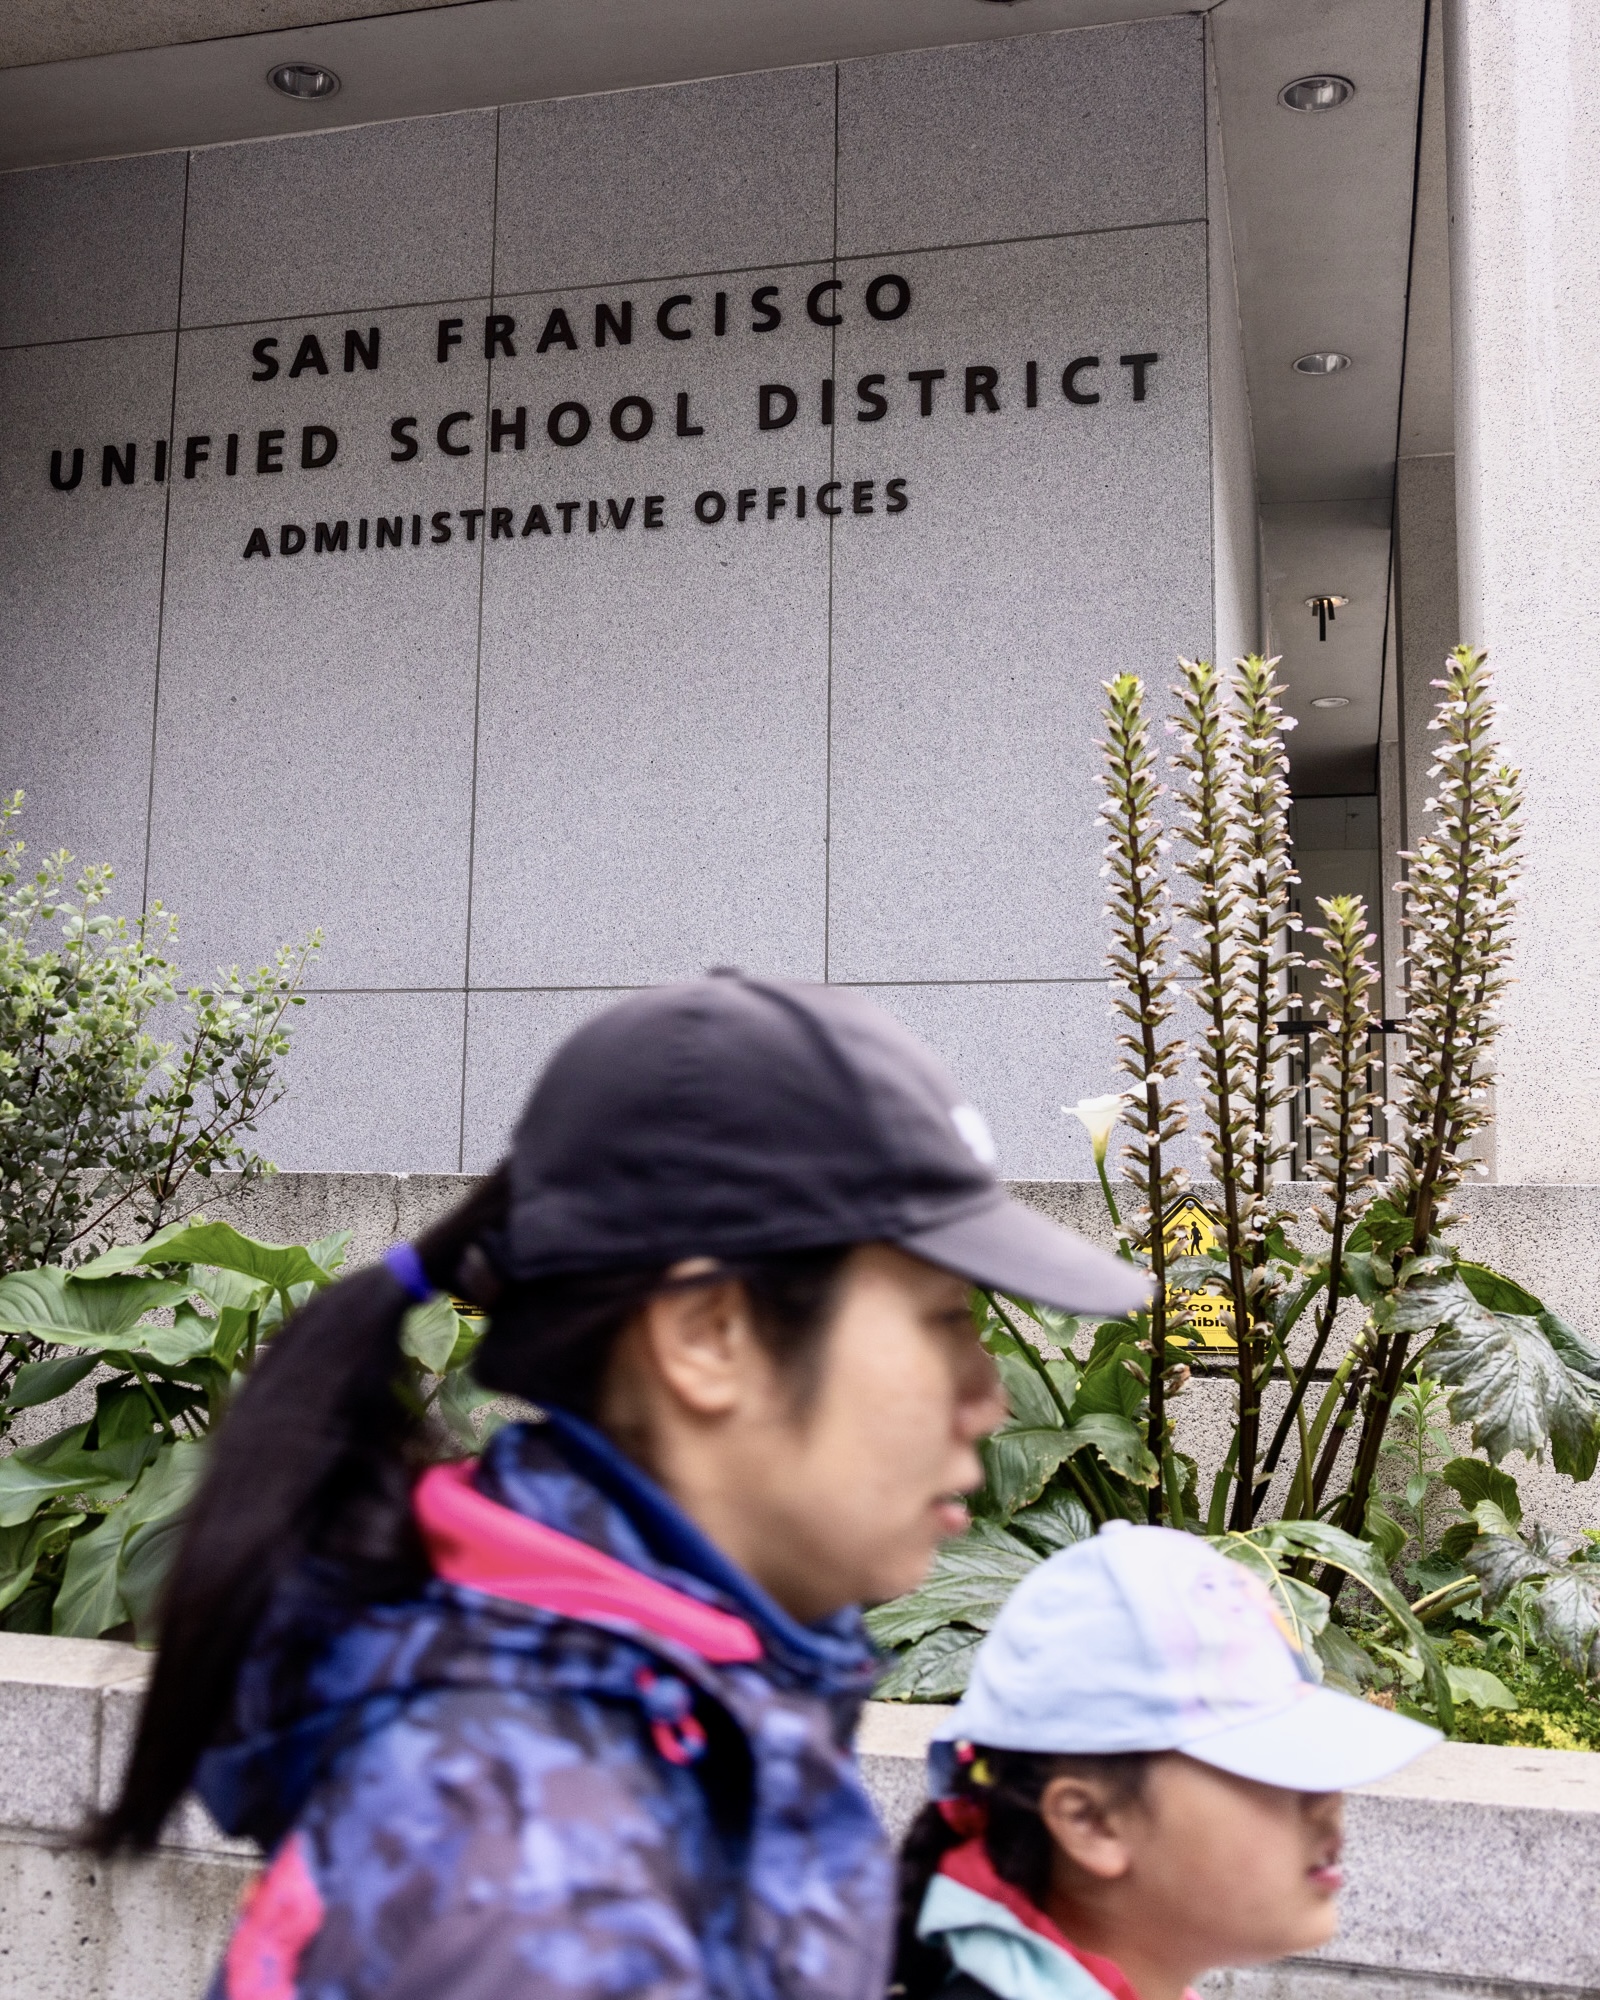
318 1455
997 1795
313 1456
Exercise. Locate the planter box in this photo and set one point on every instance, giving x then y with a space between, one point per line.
1468 1873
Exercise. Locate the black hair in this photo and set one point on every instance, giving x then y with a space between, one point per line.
318 1455
1007 1785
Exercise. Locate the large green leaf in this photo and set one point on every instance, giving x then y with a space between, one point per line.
935 1669
23 1547
39 1382
88 1602
1058 1521
460 1404
1287 1540
229 1290
154 1512
1113 1387
1365 1275
1018 1464
1305 1610
280 1265
428 1334
1384 1531
1430 1295
115 1573
1509 1383
330 1251
1568 1610
1477 1685
1580 1357
1120 1442
971 1578
1345 1662
1501 1562
1471 1481
1496 1291
58 1307
60 1469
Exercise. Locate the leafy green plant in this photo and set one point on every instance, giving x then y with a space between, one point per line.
89 1516
1434 1335
104 1128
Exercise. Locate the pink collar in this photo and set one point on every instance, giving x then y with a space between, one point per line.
970 1865
476 1542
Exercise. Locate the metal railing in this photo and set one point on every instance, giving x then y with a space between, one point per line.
1298 1033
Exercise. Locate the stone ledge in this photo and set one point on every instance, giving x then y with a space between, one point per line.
68 1710
1449 1863
1449 1866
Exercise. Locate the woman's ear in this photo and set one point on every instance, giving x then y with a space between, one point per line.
1086 1831
699 1341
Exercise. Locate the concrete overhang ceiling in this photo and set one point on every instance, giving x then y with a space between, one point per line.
1322 206
92 78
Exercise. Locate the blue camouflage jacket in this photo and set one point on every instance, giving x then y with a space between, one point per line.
591 1759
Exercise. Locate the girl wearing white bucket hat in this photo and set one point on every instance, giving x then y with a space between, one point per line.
1141 1784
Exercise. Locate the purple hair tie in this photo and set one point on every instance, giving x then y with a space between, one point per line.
406 1265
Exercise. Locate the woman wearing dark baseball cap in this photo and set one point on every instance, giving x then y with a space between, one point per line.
573 1719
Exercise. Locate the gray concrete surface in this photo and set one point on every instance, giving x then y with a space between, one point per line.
1465 1873
510 772
1544 1236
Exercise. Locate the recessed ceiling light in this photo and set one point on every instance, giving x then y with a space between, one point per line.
1324 362
1331 701
303 80
1316 93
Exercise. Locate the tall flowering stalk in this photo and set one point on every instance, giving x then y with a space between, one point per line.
1265 876
1459 904
1208 762
1457 909
1139 911
1340 1127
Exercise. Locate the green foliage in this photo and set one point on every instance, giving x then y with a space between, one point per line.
89 1517
100 1121
1439 1338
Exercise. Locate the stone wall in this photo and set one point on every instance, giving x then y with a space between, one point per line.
1543 1236
512 772
1465 1873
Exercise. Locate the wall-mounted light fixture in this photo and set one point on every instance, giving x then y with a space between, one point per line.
1324 362
303 80
1316 93
1323 609
1330 701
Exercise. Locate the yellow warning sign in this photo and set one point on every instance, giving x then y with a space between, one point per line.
1190 1230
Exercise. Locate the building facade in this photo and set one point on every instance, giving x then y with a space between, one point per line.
557 525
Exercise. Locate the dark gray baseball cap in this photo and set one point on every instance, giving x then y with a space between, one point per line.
737 1118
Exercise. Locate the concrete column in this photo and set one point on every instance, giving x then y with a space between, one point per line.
1524 142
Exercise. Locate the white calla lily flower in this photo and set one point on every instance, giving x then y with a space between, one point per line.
1099 1117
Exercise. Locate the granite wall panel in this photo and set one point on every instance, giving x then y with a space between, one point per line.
374 1086
653 765
1042 549
314 744
723 175
1036 135
699 686
80 592
91 250
510 1037
1022 1053
380 215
